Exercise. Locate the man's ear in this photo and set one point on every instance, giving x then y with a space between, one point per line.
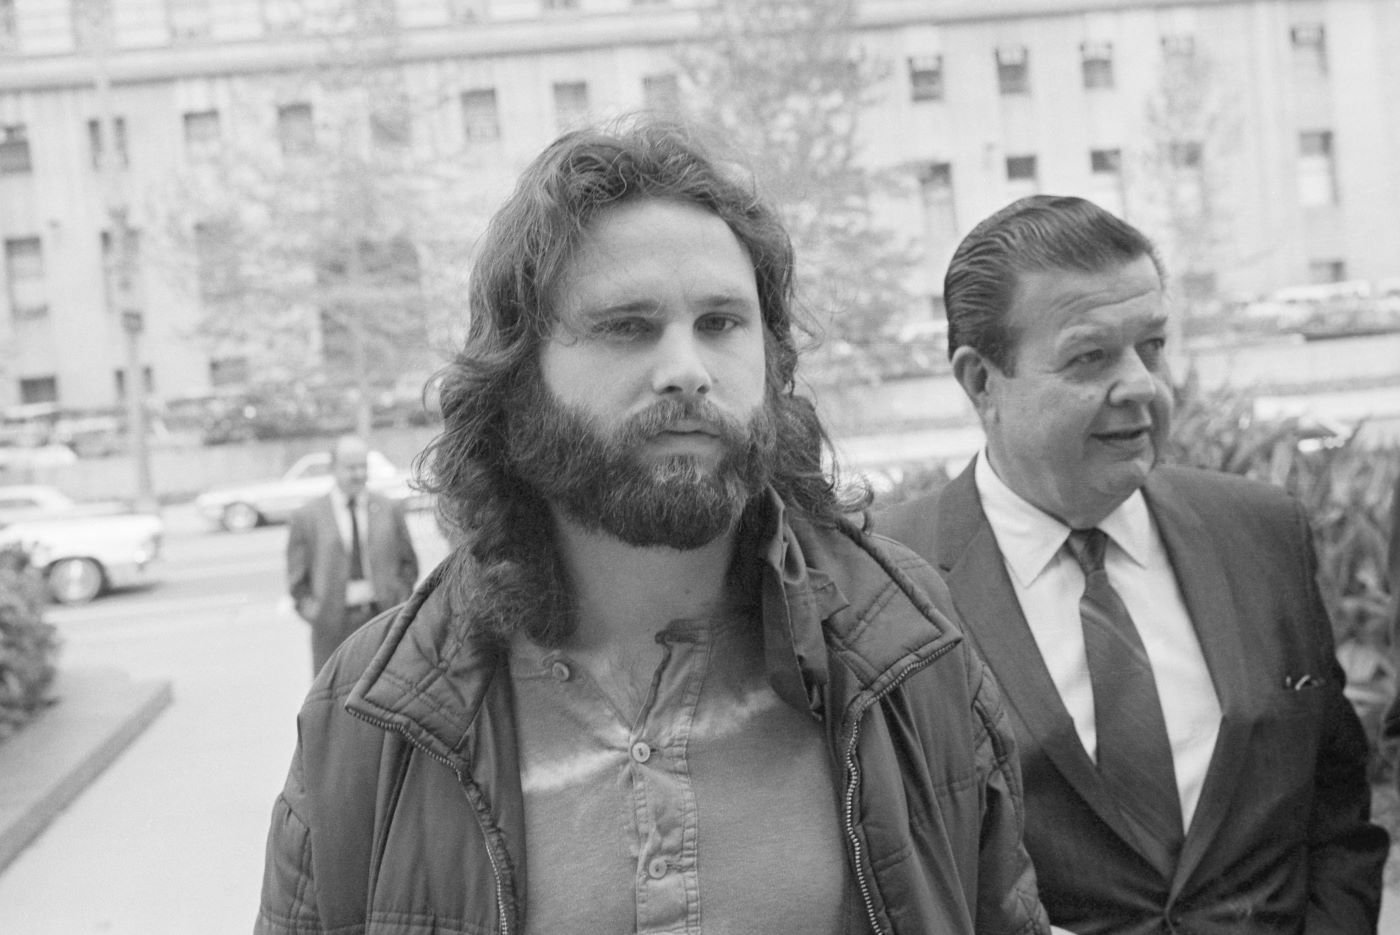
972 371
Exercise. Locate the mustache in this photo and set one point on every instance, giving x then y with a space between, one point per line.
664 415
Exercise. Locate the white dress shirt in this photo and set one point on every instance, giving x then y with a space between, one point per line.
358 590
1049 583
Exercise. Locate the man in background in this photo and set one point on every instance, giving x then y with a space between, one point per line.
1190 761
349 554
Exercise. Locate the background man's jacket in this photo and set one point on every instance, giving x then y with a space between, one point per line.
318 566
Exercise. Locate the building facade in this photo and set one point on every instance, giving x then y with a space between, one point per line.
1256 139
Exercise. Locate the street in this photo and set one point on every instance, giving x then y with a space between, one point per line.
170 838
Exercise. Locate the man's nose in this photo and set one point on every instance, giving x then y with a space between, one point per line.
1134 383
680 364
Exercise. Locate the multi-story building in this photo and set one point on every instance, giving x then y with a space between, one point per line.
1256 139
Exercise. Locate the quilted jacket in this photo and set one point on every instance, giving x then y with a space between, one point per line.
402 810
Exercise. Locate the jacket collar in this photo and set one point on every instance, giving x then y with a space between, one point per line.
429 679
968 554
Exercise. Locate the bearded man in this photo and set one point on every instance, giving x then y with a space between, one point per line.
664 680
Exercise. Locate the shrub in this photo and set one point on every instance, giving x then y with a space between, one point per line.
1346 491
28 645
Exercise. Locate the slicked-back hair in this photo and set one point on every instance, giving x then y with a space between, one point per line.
1039 233
525 251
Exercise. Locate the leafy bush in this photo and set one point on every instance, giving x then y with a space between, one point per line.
28 645
1346 491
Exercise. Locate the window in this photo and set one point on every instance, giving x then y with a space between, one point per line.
479 120
1021 176
391 127
216 257
9 27
228 371
926 78
202 134
1184 154
118 289
1013 70
14 150
374 14
24 271
570 104
119 379
1325 271
1106 179
91 19
189 19
464 11
296 131
1106 161
1020 168
1097 64
97 138
1317 176
555 5
661 93
1309 42
283 16
38 390
1179 46
940 214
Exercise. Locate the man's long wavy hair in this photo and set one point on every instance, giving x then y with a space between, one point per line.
504 569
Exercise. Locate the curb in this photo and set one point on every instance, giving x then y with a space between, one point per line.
49 762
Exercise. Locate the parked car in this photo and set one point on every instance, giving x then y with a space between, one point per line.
241 507
82 549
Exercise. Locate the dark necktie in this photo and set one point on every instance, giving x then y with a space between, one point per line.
357 566
1134 754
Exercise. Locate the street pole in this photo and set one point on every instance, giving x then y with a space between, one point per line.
121 239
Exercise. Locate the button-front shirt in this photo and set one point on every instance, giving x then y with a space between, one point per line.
715 807
1049 582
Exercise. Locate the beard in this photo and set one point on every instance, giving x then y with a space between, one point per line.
602 480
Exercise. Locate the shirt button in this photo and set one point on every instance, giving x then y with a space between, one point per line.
641 751
657 867
561 671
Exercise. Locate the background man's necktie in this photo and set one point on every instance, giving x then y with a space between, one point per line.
1134 754
357 566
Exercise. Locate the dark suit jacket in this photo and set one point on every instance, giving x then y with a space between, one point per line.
1280 841
318 567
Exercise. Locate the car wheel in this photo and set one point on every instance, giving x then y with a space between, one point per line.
75 580
240 517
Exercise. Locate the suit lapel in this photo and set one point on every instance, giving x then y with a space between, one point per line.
1210 602
984 595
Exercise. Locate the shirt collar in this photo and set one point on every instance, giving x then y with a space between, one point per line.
1030 538
338 497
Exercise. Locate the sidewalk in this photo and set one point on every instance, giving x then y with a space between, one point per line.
56 756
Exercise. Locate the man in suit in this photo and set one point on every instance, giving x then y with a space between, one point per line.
349 555
1190 761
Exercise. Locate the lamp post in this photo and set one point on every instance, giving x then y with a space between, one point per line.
97 25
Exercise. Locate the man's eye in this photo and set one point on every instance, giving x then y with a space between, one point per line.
1151 350
1088 358
622 327
717 324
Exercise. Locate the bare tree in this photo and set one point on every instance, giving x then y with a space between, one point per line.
787 82
1192 127
318 250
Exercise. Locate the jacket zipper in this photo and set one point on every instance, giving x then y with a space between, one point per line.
853 771
462 782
